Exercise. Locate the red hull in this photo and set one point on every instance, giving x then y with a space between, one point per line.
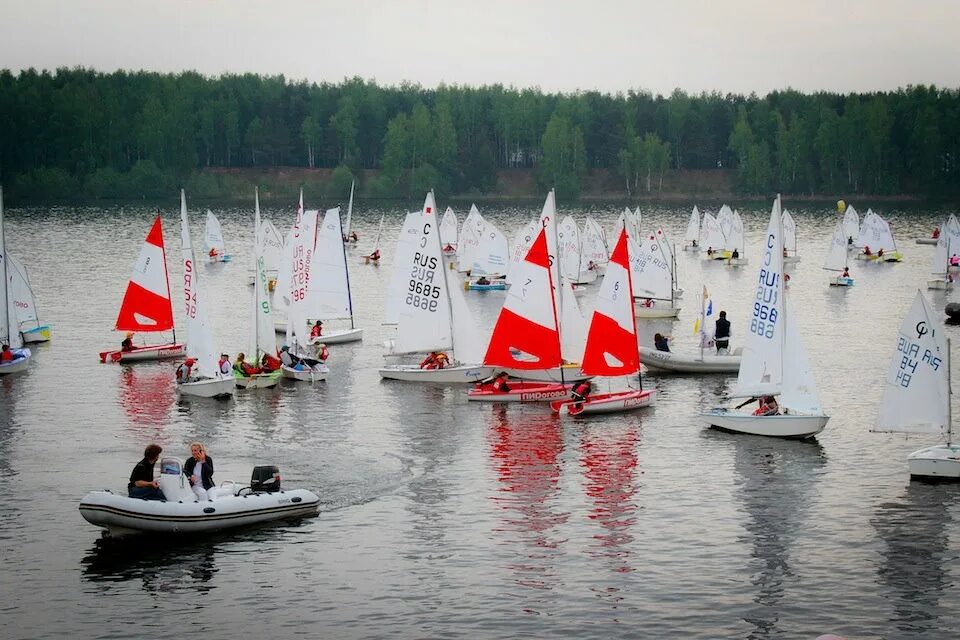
151 352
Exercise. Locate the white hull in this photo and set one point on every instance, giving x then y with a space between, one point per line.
937 462
739 262
258 381
208 388
942 285
459 374
339 337
778 426
568 373
926 241
791 260
36 334
586 277
665 311
143 354
840 281
18 365
679 363
611 403
316 374
121 515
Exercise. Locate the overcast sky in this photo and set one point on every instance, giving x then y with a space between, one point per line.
559 45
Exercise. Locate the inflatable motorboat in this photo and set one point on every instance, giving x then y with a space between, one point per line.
707 362
233 506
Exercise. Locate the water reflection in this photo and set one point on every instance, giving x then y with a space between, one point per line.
609 462
916 531
775 480
525 452
147 393
9 434
162 567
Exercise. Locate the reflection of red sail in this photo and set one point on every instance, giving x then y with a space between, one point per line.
610 464
525 335
611 348
147 395
146 304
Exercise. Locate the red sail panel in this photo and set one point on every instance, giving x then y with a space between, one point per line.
146 304
525 335
611 348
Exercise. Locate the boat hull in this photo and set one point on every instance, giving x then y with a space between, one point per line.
339 337
19 365
791 259
208 388
140 354
840 281
315 374
522 391
940 462
36 334
606 403
927 241
493 286
778 426
258 381
121 515
459 374
678 363
567 373
666 311
942 285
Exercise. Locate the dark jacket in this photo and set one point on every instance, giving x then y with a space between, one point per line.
206 471
143 471
723 329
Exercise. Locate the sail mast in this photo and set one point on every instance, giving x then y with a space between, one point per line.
6 294
343 247
446 279
949 402
166 271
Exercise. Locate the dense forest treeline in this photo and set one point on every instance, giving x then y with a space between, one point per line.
81 133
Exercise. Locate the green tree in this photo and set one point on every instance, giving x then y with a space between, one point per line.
564 157
312 137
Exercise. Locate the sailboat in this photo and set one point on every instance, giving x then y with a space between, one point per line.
876 234
851 225
917 390
836 259
433 316
526 335
374 256
146 306
707 361
611 348
490 259
736 241
25 306
573 267
469 238
448 233
348 234
774 361
712 240
271 244
213 245
790 255
206 381
948 244
594 246
328 289
692 236
652 266
403 252
262 337
9 331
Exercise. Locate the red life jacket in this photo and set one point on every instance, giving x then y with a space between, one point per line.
6 356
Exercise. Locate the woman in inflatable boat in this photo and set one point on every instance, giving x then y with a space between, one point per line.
199 471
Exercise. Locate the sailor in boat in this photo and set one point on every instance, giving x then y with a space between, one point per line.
225 366
648 303
353 236
449 248
661 342
846 272
500 382
322 354
127 344
375 256
214 255
693 243
936 233
482 280
591 266
199 471
721 333
185 370
7 355
955 260
768 407
243 367
316 330
849 241
736 254
269 363
710 251
298 363
142 485
581 391
435 360
880 253
866 250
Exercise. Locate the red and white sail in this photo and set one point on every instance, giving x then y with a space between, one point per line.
526 335
611 348
146 304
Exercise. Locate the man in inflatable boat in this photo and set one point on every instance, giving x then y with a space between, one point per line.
142 484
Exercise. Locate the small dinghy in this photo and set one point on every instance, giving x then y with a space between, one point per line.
306 373
705 362
488 285
926 240
9 333
234 506
520 391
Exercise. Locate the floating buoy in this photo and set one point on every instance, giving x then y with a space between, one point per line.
841 206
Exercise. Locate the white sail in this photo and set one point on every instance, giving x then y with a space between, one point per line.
761 366
573 326
301 257
652 277
376 243
271 246
329 286
593 244
836 259
21 295
851 224
548 222
281 292
737 239
638 221
424 322
693 226
448 228
200 340
875 233
799 393
213 236
568 235
402 259
916 390
725 221
492 252
468 344
948 244
347 224
789 233
263 337
711 237
8 327
522 240
469 238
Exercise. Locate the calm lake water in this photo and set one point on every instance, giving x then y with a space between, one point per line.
443 518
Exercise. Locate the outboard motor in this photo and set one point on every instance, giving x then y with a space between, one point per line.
265 479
